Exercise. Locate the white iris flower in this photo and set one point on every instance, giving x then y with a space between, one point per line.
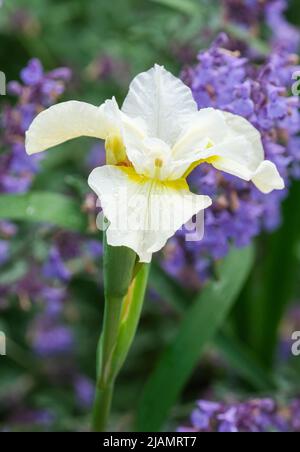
152 144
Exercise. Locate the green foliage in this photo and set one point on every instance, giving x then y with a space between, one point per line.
50 208
198 327
135 34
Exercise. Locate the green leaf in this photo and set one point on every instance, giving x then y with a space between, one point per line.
52 208
167 287
198 327
118 268
244 361
243 35
236 353
13 273
280 275
186 7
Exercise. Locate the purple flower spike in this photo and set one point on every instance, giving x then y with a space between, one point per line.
33 73
259 415
55 267
225 80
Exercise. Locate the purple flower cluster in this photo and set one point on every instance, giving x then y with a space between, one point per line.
44 284
254 416
247 13
225 80
284 35
37 91
253 15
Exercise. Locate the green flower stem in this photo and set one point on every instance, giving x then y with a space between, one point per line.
102 405
125 285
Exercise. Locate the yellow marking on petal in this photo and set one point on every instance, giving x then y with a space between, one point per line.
178 184
194 165
115 150
133 175
158 163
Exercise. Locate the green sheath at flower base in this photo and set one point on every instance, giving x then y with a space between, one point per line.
119 263
130 315
125 283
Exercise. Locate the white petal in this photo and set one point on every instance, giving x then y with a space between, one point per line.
241 144
231 137
162 101
241 153
144 153
267 178
235 147
143 214
63 122
214 133
205 127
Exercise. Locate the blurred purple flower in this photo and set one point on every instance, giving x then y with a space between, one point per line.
94 248
255 14
223 79
246 13
259 415
4 251
7 229
33 73
84 390
285 36
55 268
53 297
39 90
50 338
30 417
295 415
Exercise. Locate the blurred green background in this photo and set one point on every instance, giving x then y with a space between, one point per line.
221 341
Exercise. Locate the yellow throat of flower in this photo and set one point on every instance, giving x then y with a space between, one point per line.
116 155
115 150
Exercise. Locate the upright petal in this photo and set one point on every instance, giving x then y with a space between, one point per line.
142 213
162 101
63 122
205 127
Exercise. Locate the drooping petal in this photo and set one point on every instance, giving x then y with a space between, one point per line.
216 133
267 177
143 213
241 145
230 143
162 101
241 153
63 122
